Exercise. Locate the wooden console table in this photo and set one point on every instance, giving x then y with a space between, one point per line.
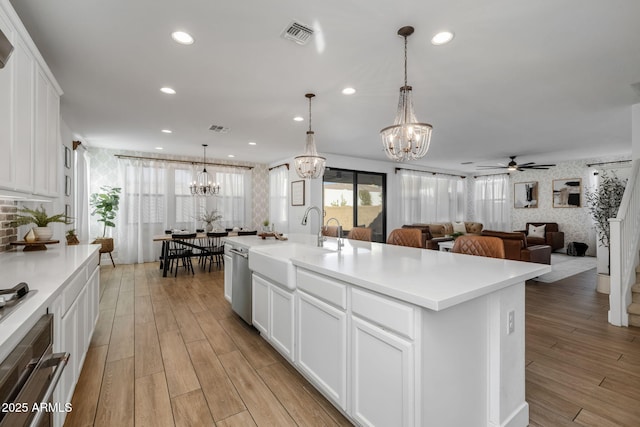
36 245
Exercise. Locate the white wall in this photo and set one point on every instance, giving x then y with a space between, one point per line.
635 131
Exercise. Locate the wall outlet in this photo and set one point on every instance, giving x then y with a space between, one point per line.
511 322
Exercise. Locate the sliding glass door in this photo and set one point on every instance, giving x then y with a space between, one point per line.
357 199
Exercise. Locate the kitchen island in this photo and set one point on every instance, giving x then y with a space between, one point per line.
394 335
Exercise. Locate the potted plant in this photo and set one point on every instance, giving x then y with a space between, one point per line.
603 203
265 225
72 238
41 220
210 217
105 205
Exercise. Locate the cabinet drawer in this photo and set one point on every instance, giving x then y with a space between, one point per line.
72 290
388 314
329 290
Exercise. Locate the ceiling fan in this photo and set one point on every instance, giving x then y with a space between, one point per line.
514 166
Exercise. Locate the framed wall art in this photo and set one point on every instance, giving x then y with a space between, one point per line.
297 193
525 195
567 193
67 158
67 185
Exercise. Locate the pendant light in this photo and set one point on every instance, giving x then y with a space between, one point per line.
204 185
310 164
407 139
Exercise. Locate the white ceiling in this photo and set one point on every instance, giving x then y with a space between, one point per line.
546 80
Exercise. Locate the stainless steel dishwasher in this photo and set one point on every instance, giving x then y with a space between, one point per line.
241 283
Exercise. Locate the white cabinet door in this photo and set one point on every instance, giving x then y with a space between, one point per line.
281 320
322 346
382 376
260 304
69 326
7 75
228 269
23 121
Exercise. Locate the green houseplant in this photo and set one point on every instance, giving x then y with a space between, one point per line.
603 203
41 219
105 205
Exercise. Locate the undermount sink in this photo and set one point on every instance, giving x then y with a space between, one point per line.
274 261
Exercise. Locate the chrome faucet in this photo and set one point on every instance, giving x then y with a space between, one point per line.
306 217
339 231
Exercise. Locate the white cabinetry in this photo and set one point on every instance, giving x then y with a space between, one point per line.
75 313
29 115
228 272
382 387
272 313
322 334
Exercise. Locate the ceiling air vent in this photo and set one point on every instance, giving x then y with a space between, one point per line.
298 33
219 129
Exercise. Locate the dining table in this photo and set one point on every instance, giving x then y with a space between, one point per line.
166 238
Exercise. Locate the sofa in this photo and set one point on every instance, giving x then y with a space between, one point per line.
436 232
517 248
552 236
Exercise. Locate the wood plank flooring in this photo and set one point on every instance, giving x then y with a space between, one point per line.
170 352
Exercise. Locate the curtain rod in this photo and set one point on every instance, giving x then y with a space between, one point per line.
279 166
608 163
491 174
122 156
429 172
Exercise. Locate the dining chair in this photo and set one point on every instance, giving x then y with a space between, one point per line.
487 246
213 250
411 237
360 233
247 233
329 230
181 250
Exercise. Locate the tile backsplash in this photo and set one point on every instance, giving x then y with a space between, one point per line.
7 234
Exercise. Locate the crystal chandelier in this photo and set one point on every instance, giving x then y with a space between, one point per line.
310 165
204 185
407 139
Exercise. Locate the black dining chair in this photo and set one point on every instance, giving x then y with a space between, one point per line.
247 233
181 251
213 250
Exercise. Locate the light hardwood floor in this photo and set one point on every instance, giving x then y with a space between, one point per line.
171 352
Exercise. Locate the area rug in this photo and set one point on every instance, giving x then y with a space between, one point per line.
564 266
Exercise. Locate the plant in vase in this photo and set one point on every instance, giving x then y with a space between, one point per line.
265 225
105 205
210 218
72 237
603 203
41 220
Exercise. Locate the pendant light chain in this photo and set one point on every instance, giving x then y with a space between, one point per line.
405 61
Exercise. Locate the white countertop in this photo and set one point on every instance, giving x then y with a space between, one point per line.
431 279
44 271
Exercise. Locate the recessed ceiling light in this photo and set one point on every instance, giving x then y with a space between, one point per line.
230 155
159 148
167 90
182 37
442 37
167 131
298 119
348 91
252 143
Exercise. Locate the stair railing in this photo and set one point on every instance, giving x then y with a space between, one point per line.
624 240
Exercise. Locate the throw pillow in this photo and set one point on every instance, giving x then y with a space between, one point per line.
537 231
459 227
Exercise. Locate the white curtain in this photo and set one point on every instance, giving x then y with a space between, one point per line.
278 198
492 202
425 197
234 200
81 208
143 210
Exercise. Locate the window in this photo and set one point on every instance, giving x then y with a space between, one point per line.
426 197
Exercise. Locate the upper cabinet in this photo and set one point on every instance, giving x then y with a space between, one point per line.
30 143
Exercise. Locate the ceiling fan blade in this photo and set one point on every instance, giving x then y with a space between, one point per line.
491 167
526 164
540 167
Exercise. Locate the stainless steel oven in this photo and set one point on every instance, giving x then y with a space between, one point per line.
28 377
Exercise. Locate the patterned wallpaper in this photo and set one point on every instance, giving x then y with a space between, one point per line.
576 223
104 171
